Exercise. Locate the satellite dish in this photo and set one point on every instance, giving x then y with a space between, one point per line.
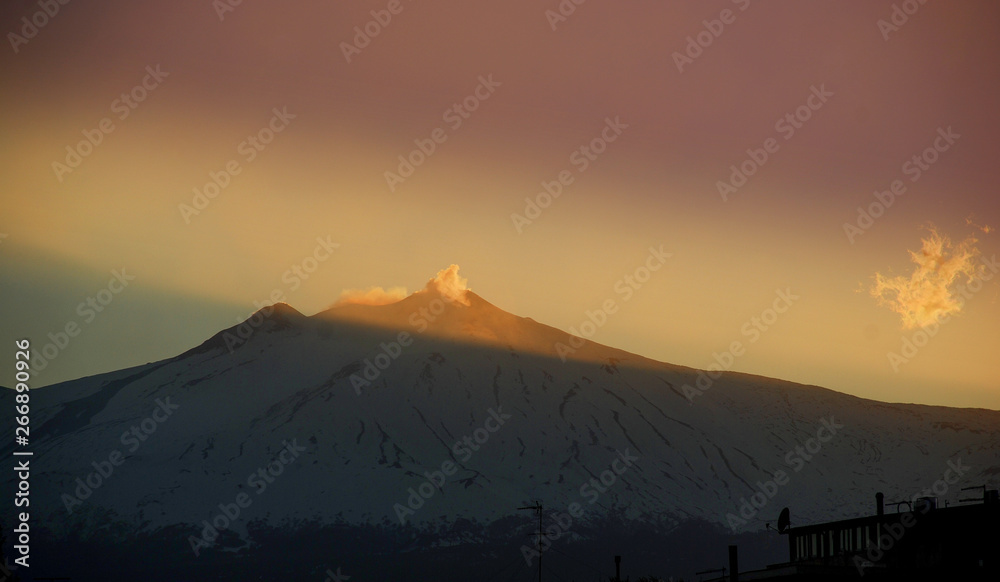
783 521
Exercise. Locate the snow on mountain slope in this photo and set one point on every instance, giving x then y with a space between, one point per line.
372 417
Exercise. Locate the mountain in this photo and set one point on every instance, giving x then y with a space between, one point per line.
399 441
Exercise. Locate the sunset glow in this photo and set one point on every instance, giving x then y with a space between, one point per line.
805 147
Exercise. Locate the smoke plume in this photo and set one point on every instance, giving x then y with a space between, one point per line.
448 283
370 296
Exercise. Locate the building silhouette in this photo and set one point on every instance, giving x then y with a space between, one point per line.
917 540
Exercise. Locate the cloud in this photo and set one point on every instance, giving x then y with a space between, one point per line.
983 227
927 294
447 282
370 296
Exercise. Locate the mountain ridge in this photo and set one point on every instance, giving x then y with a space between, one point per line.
290 380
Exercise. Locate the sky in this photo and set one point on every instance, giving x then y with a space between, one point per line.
166 168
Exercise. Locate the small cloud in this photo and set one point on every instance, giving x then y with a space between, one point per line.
927 294
370 296
983 227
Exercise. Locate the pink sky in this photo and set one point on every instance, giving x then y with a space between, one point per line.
886 98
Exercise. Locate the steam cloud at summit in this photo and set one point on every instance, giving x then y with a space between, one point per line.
447 282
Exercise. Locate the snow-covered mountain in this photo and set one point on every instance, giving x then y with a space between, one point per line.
443 413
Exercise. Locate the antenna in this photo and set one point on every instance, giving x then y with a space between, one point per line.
784 521
538 507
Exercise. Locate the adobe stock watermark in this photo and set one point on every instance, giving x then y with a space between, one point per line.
122 106
248 149
88 310
259 480
462 450
337 576
894 532
374 366
754 328
911 345
899 16
580 159
363 35
563 11
796 459
591 490
454 117
913 168
625 287
223 7
713 29
133 438
787 126
292 278
31 26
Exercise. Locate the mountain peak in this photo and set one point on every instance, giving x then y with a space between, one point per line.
448 284
269 318
282 311
446 308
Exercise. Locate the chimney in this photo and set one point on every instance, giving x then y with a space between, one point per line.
734 567
879 504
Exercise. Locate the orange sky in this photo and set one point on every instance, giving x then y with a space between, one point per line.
539 95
